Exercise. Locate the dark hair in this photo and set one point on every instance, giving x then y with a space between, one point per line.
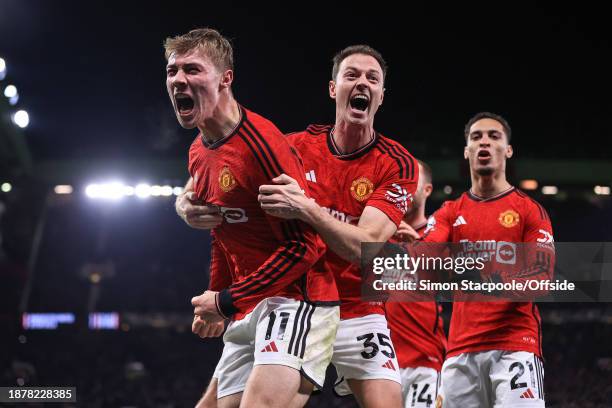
358 49
217 47
426 174
488 115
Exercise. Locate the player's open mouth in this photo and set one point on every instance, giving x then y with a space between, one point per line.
360 102
484 155
184 104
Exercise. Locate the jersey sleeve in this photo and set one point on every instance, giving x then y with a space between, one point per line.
298 245
439 225
394 193
536 254
220 275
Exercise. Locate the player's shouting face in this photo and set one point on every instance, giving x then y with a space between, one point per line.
194 84
487 147
358 89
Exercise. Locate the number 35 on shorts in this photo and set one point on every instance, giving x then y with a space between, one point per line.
372 348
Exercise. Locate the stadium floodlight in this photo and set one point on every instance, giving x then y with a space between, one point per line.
63 189
602 190
108 191
143 190
13 101
92 190
21 119
128 190
166 191
156 190
6 187
177 191
550 190
10 91
529 184
2 69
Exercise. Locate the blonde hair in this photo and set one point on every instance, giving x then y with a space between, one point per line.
215 46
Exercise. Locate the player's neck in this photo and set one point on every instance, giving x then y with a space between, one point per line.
489 185
416 218
350 137
223 121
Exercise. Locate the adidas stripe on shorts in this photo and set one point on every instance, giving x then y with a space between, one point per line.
278 331
496 378
364 351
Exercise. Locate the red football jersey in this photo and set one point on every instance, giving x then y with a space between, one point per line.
220 275
381 174
266 256
496 223
417 331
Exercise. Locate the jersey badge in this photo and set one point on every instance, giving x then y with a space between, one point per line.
362 189
227 181
509 218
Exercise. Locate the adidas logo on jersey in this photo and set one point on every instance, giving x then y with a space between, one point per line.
459 221
270 348
310 176
528 394
389 364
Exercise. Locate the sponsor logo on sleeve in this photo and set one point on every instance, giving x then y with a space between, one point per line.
431 225
399 196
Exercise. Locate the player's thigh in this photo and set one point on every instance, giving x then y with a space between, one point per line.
303 394
376 393
420 386
364 351
209 398
271 386
518 380
230 401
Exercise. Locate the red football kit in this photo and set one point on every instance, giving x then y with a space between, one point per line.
496 225
381 174
264 256
417 331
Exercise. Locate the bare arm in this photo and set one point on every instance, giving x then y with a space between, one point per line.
287 200
345 239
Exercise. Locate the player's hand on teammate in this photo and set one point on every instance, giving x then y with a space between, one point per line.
196 214
284 199
205 306
406 233
206 329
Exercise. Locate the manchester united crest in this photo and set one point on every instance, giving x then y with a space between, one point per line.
362 189
509 218
227 181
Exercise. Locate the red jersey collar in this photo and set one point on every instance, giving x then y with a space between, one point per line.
353 155
495 197
224 139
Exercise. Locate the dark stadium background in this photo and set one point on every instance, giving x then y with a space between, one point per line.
91 77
